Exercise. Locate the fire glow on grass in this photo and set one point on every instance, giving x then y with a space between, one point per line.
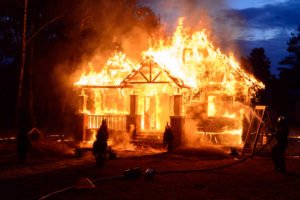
215 80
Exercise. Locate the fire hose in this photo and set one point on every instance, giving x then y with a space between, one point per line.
135 173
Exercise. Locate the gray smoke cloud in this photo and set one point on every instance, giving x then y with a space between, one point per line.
222 23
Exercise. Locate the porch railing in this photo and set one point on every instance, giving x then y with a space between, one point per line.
114 121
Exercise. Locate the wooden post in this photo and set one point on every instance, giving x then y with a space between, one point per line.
177 121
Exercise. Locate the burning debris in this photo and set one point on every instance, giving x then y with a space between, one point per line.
183 80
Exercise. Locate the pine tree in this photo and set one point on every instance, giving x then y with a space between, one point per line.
290 73
260 64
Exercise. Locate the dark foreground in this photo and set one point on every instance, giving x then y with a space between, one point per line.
252 179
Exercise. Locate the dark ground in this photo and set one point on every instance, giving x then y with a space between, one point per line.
251 179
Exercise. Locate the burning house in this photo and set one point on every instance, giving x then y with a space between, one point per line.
180 80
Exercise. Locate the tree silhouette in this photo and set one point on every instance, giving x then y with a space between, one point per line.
290 73
289 78
260 64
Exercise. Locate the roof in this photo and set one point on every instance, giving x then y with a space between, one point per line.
151 73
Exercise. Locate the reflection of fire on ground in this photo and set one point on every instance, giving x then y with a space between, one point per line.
183 80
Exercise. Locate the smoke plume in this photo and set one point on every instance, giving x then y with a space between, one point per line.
220 22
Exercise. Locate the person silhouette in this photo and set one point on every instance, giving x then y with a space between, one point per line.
278 150
168 138
100 144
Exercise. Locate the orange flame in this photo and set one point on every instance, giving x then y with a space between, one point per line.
194 59
190 57
113 73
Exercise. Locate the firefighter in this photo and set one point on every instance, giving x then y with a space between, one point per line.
168 138
281 136
100 144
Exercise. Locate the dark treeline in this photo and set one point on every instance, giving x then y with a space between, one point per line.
60 35
282 94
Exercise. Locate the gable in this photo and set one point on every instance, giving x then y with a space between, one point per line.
151 73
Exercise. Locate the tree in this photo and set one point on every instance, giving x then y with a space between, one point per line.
289 77
260 64
290 73
293 60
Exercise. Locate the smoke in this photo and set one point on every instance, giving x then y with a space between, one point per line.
90 32
127 26
122 25
201 130
221 23
195 138
191 139
134 42
199 143
121 140
110 26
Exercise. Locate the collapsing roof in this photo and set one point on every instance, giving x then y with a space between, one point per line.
188 60
150 72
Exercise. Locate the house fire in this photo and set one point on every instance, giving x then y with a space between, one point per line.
180 80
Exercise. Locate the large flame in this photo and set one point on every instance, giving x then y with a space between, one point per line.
194 59
216 79
116 68
189 56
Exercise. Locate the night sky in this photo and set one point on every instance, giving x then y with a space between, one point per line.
246 24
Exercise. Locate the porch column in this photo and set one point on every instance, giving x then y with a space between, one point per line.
177 104
177 121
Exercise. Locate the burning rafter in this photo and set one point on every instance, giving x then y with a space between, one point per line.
151 73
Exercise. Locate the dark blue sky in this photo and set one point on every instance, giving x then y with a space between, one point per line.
268 24
244 24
